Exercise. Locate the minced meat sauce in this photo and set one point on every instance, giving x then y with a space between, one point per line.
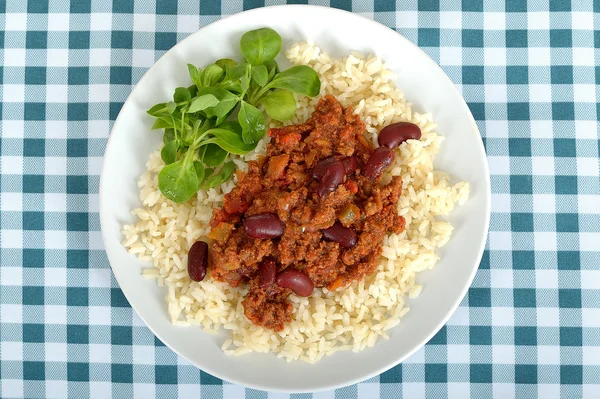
283 185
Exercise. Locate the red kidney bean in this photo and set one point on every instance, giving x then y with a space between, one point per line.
395 134
198 260
333 177
350 164
268 270
266 225
319 170
344 236
297 281
380 158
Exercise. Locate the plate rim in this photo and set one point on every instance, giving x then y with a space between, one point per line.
486 198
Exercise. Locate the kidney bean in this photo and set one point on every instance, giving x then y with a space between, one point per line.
395 134
319 170
350 164
198 260
266 225
380 158
344 236
333 177
268 270
297 281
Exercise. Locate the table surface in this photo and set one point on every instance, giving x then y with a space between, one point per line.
530 324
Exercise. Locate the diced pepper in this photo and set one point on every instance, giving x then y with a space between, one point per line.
346 133
335 284
240 174
277 166
349 215
351 186
261 161
311 157
221 232
363 141
274 131
371 208
219 216
297 177
229 266
235 206
290 139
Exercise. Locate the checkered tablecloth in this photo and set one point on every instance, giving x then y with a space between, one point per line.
530 324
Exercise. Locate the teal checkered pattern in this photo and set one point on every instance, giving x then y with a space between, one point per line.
530 324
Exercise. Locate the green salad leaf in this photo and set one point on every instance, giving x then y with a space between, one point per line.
158 110
213 155
211 75
299 79
227 101
181 94
169 152
260 46
229 141
260 75
161 123
226 64
195 75
203 102
252 122
169 135
219 177
237 71
178 181
200 171
272 68
280 105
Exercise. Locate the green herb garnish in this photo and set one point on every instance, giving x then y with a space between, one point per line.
200 125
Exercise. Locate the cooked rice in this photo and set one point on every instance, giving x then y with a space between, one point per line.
347 319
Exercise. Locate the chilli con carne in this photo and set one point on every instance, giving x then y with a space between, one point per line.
311 213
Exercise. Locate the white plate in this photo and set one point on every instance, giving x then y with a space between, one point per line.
423 83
